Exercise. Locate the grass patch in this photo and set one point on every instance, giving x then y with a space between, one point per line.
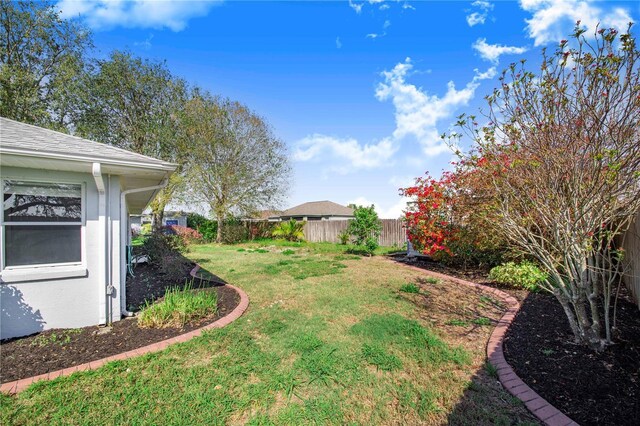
457 322
482 321
491 370
431 280
345 350
410 288
178 307
304 268
288 252
376 355
416 340
347 257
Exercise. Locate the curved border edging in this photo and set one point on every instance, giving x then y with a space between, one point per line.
537 405
21 384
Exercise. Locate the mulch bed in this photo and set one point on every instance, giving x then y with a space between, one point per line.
56 349
591 388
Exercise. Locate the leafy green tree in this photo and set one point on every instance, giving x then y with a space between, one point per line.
135 104
41 64
236 165
365 228
291 230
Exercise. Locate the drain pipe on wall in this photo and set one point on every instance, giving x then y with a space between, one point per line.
124 219
102 242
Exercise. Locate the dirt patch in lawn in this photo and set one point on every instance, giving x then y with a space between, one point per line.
56 349
590 388
465 317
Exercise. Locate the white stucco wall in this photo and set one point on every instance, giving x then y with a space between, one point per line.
27 307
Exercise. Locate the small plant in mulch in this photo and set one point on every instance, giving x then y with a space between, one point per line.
61 338
178 308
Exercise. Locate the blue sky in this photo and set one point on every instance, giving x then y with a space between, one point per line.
358 90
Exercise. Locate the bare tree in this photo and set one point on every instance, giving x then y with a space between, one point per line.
237 165
561 154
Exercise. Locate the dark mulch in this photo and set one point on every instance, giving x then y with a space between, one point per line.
56 349
591 388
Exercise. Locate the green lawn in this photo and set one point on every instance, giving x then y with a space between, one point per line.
329 338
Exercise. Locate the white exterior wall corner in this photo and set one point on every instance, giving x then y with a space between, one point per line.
28 307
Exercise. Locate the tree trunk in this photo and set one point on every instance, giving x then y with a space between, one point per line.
219 230
156 219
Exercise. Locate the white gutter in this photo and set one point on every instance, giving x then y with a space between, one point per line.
102 242
125 223
163 165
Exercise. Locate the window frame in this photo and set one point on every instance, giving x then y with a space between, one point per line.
41 267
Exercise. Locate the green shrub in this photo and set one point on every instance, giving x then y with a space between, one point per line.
145 229
234 231
291 230
526 275
178 307
206 227
365 226
370 245
164 252
344 237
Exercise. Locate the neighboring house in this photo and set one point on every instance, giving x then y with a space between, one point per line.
170 218
268 215
316 210
65 226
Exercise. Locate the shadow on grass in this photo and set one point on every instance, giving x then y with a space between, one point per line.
486 402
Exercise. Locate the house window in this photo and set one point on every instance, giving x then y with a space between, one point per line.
42 223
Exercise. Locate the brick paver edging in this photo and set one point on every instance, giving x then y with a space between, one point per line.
540 408
20 385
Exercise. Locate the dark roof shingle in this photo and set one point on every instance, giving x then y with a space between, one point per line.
318 208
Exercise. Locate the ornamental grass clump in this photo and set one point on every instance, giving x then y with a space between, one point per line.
179 307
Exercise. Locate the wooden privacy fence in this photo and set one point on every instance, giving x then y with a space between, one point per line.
327 231
632 256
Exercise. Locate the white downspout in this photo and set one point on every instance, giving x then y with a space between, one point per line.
102 243
123 257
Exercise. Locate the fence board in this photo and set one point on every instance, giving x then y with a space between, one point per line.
327 231
632 255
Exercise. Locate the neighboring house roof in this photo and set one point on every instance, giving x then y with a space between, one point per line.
318 208
26 139
265 214
31 147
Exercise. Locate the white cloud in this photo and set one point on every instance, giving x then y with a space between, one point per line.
356 6
146 44
104 14
338 43
417 113
386 25
393 211
358 156
492 52
553 20
480 15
